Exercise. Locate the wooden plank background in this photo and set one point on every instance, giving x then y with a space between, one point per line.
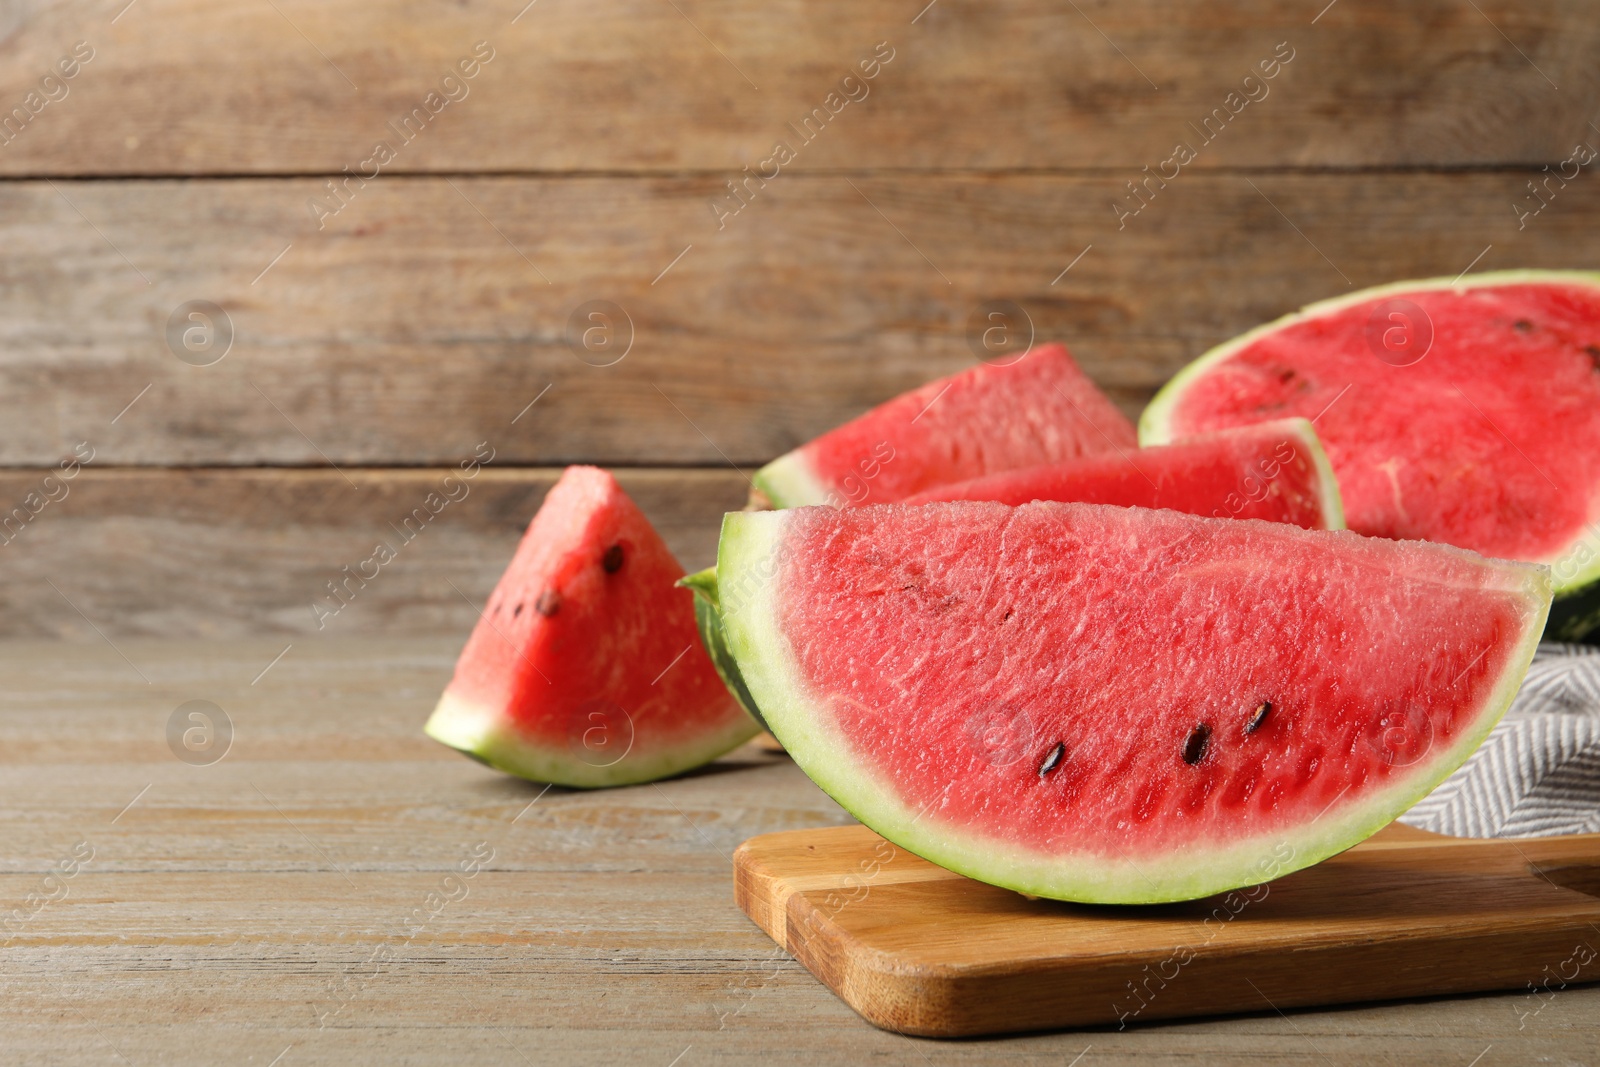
304 86
378 345
426 315
410 330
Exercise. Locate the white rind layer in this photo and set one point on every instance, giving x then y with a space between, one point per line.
486 733
1155 424
751 544
789 482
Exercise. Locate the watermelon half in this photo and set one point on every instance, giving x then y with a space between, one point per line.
1275 471
1465 412
1037 408
585 668
1119 705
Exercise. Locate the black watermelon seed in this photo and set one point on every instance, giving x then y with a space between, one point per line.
1260 717
612 560
1522 325
1194 749
548 604
1052 761
517 612
1594 355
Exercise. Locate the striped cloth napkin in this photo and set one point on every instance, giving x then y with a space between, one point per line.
1539 772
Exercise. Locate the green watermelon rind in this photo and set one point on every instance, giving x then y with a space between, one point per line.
1155 424
789 482
708 620
485 735
751 543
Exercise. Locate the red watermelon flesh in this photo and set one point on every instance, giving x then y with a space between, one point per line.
1275 471
585 668
1036 408
1466 413
1119 704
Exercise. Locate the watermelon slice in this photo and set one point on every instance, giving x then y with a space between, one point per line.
1275 471
1466 412
585 669
1039 408
1119 705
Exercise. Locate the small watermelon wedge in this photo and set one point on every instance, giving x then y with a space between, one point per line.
1275 471
584 668
1464 411
1037 408
1119 705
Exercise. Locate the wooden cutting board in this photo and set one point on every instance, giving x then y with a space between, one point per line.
917 949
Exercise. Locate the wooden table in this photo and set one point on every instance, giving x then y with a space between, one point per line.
360 337
276 903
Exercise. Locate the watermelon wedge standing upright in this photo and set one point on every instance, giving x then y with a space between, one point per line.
1038 407
1465 411
585 668
1274 470
1119 705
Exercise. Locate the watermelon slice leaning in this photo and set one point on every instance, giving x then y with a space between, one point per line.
1037 408
584 668
1463 411
1275 471
1119 705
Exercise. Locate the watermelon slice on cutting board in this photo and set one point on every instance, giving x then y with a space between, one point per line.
1461 411
1119 705
584 668
1036 408
1275 471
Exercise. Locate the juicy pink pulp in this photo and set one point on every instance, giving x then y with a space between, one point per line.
1039 407
562 632
1257 472
1491 441
956 646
